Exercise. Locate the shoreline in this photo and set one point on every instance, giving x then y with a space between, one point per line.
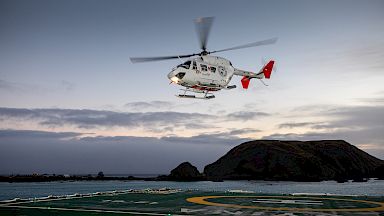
42 178
60 178
42 189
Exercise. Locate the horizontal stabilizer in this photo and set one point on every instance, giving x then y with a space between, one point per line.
245 82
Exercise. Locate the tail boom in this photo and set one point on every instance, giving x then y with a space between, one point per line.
265 72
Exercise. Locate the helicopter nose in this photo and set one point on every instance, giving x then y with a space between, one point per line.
171 74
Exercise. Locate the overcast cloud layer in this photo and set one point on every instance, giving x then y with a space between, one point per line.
79 152
48 152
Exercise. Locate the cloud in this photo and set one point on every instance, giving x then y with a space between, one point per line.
245 115
372 100
358 116
353 118
295 124
207 139
312 125
4 134
312 109
165 121
229 138
140 106
298 136
253 105
94 118
235 132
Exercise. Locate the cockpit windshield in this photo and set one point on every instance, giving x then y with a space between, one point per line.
185 65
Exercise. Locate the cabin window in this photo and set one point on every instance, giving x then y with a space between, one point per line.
185 65
194 65
222 71
213 69
203 67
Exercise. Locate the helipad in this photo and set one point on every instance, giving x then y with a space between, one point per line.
290 203
173 202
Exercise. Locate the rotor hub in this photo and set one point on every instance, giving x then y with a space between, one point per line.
204 52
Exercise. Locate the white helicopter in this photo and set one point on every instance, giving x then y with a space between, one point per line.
206 73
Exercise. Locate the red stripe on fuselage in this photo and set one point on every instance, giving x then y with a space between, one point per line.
202 88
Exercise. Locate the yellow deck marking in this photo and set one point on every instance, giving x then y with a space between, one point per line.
203 201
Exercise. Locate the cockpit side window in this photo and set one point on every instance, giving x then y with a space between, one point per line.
203 67
180 75
185 65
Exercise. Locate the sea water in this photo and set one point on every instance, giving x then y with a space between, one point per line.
42 189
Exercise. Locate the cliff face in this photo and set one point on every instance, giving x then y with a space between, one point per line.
294 161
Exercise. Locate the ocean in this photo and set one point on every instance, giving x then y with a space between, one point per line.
42 189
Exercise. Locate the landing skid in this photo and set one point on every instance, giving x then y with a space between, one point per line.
204 94
196 97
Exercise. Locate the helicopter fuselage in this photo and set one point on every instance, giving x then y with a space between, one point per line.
204 73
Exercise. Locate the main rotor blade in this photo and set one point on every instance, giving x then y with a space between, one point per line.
159 58
203 26
258 43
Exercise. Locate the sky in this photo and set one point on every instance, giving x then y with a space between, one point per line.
72 102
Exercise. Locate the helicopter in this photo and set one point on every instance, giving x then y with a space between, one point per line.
204 73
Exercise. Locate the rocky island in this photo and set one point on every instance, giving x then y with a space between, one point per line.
293 161
185 172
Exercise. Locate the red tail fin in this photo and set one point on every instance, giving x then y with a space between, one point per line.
267 70
245 82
